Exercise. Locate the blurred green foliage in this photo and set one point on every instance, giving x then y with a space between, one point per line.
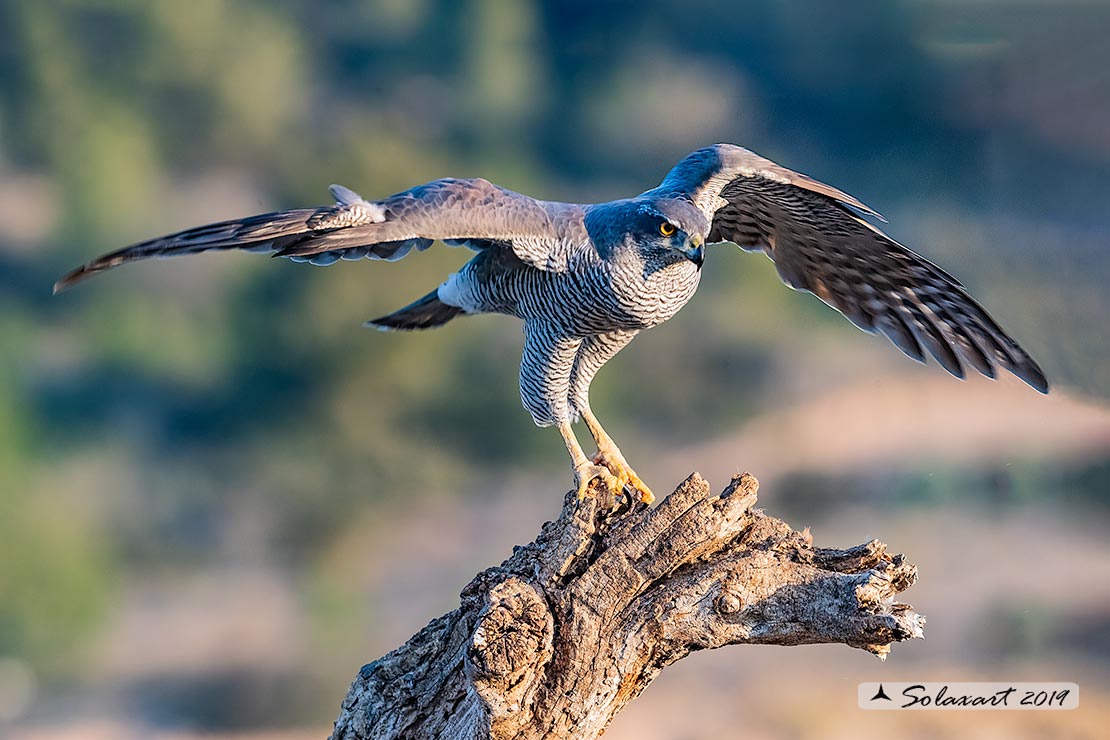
148 417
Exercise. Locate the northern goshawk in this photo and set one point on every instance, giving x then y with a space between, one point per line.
585 279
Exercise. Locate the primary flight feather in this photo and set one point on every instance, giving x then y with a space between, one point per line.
585 279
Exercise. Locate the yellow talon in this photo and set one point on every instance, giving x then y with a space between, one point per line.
640 487
609 455
625 475
608 464
586 473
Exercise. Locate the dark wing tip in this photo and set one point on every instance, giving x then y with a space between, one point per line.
1031 374
950 362
71 278
87 270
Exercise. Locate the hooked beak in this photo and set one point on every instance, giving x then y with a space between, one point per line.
695 250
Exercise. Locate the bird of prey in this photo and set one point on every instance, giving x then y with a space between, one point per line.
586 279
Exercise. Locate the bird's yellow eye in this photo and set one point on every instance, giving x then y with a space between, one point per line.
667 228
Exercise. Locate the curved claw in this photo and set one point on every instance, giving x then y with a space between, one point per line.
638 485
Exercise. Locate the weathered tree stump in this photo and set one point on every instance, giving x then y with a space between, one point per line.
562 635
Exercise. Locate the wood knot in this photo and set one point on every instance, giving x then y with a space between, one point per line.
511 640
728 603
510 630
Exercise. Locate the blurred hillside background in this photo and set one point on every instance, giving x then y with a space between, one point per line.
219 495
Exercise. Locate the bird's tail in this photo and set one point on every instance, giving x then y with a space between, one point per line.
425 313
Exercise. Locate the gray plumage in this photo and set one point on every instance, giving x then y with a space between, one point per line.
585 279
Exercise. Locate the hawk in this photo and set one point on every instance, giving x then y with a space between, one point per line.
586 279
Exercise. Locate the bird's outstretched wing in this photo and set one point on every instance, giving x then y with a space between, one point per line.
469 212
819 243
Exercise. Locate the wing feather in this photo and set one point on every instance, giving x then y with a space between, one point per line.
819 243
470 212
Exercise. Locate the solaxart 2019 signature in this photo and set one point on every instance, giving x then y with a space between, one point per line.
967 695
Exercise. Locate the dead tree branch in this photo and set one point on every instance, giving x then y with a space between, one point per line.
562 635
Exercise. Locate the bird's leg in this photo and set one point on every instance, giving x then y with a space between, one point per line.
610 456
585 470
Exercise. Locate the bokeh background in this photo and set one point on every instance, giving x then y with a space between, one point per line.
219 495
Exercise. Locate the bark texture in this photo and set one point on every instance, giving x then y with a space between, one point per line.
562 635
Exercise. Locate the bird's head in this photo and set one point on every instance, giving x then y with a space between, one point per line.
663 230
672 227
